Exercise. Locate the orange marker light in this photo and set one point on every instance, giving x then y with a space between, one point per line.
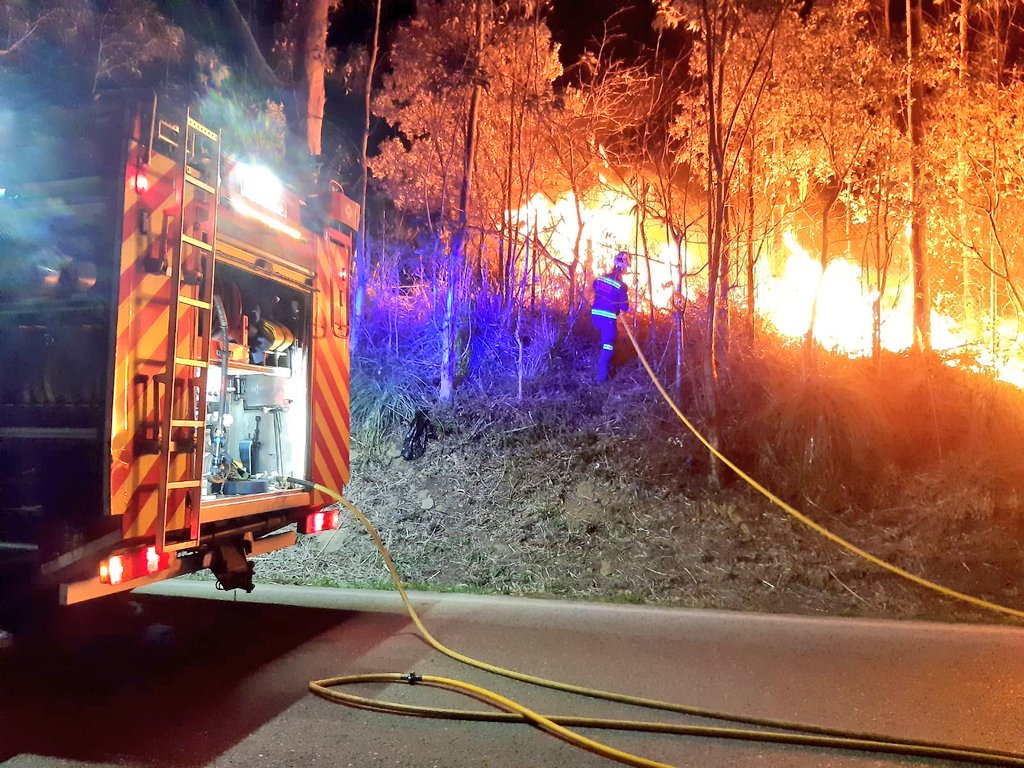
127 566
112 570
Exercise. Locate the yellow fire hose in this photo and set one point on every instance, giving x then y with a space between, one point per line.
798 733
792 512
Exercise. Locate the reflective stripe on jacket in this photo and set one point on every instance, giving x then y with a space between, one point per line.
610 296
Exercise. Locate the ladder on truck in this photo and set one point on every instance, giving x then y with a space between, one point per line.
191 292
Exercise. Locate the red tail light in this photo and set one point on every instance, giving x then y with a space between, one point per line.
317 522
133 565
141 182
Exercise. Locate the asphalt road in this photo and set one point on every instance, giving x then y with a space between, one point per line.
201 679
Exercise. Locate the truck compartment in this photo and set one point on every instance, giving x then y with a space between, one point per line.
258 396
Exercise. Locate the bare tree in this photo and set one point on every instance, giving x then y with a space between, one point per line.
362 265
601 107
456 252
918 217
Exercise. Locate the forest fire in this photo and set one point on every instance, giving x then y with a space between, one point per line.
607 223
834 298
792 292
843 315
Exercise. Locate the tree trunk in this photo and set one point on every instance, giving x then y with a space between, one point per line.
716 206
456 253
961 180
520 368
716 221
313 49
725 260
508 275
876 304
361 271
651 331
918 245
750 239
573 312
826 217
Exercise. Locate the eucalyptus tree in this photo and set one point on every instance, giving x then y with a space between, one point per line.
915 106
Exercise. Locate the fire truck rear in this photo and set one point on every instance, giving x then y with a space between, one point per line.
173 348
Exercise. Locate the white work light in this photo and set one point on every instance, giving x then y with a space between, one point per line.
260 186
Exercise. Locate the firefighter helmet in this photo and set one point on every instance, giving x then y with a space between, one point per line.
622 261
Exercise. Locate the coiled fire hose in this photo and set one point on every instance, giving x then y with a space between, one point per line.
792 733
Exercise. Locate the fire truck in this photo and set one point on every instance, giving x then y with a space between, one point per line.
173 352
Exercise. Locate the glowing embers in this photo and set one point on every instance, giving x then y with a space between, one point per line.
126 566
317 522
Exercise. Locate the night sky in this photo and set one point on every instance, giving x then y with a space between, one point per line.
575 24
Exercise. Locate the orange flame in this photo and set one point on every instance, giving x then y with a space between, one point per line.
843 315
840 298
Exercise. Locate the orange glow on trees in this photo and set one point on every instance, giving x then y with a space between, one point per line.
778 196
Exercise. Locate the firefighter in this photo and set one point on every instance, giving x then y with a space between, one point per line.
610 298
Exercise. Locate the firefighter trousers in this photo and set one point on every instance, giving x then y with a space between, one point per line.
606 327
